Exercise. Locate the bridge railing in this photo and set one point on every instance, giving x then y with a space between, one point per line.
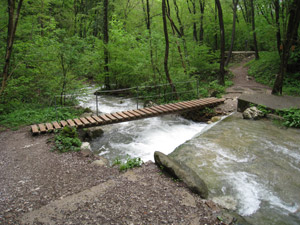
189 89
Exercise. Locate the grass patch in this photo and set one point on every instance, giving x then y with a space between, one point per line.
129 163
30 114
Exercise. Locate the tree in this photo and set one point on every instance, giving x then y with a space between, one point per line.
201 33
106 40
253 30
234 4
164 12
293 23
222 37
11 32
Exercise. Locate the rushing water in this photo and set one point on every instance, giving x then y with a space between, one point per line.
252 167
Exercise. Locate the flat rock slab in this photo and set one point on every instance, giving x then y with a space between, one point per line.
272 102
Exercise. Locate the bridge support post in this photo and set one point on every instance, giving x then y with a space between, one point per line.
137 97
197 87
97 105
55 106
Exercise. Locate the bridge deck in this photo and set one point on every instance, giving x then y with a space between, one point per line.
129 115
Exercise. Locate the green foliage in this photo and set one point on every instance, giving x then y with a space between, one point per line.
266 68
67 140
130 163
291 117
27 114
262 108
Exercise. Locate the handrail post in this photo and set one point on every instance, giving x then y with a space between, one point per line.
137 97
97 105
197 87
55 107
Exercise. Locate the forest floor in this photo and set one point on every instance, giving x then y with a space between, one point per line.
38 186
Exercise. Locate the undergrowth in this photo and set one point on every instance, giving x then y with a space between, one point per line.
266 68
291 117
30 114
129 163
67 140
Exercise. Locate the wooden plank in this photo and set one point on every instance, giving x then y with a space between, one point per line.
71 123
123 115
140 112
56 125
170 108
91 120
156 109
160 108
99 121
117 116
78 122
63 123
177 108
34 129
129 114
42 128
84 121
166 108
49 127
104 118
111 117
134 113
148 113
152 111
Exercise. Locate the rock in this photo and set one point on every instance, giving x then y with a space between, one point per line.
227 202
91 133
209 122
101 162
253 113
215 119
181 171
85 149
87 114
149 104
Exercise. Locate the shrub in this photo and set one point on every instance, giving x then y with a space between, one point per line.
67 140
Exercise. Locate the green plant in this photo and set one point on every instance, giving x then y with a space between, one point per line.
67 140
117 161
131 163
291 117
261 108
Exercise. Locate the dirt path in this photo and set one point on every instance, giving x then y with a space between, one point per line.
242 84
38 186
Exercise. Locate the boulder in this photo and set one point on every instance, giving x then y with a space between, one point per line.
85 149
215 119
181 171
101 162
253 113
149 104
91 133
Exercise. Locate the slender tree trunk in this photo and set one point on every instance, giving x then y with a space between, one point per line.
167 48
277 15
201 33
234 2
106 40
253 30
216 35
11 32
294 19
222 42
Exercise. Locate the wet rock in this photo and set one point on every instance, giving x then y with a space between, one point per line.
215 119
101 162
91 133
149 104
227 202
253 113
85 149
181 171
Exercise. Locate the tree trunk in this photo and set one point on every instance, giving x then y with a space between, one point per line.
278 34
201 33
167 49
234 2
106 40
294 19
253 30
216 35
222 42
11 32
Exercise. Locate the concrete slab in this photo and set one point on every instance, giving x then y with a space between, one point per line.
272 102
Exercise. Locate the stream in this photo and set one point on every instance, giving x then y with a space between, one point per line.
252 167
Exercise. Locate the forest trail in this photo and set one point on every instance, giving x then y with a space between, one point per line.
242 84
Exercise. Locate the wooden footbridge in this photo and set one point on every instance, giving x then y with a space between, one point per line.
129 115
